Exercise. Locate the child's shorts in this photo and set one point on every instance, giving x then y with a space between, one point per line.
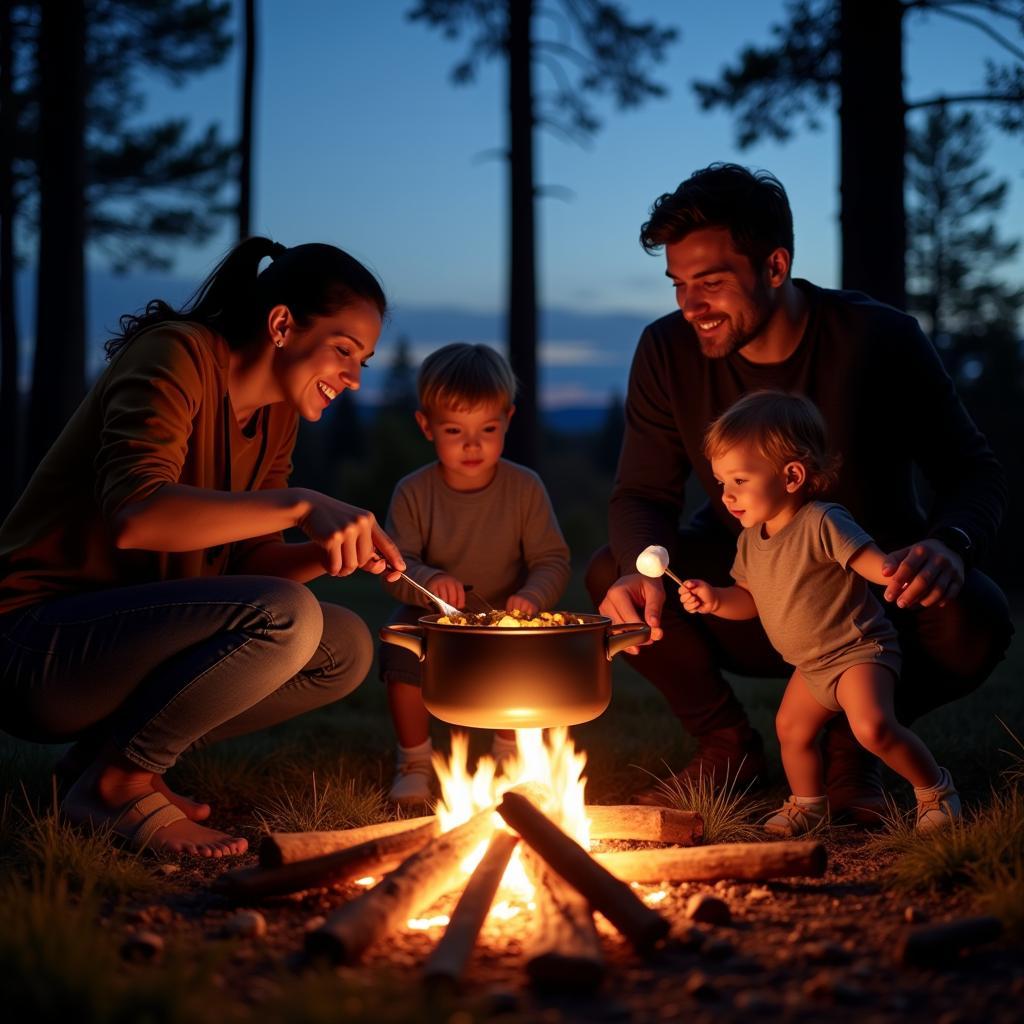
823 679
396 664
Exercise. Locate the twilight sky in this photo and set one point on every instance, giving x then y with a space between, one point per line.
363 141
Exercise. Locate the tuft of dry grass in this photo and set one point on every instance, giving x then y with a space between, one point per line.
728 814
345 804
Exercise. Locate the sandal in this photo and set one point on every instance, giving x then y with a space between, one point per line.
157 813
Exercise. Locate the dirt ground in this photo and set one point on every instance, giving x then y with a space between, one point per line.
800 950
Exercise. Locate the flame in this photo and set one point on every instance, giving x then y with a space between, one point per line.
551 760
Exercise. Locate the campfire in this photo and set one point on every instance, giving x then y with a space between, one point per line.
515 840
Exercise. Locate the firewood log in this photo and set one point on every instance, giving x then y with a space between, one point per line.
641 925
288 847
656 824
565 954
375 857
743 861
418 882
446 963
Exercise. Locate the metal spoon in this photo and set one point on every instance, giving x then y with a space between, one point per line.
446 608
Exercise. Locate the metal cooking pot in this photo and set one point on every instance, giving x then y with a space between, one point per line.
526 678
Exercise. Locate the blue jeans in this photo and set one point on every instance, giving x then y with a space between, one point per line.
160 667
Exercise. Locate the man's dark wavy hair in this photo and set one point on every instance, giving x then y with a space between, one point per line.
752 204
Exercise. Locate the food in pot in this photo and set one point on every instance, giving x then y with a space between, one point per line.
514 619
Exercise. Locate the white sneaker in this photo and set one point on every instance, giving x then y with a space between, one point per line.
797 818
411 784
938 805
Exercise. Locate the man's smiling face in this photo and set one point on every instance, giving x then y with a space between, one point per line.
723 297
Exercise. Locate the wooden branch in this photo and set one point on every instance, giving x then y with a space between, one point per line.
934 945
565 953
710 863
374 857
288 847
641 925
657 824
447 962
420 880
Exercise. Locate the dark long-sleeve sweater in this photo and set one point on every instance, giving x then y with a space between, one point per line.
887 401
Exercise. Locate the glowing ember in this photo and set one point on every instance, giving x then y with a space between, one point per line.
367 880
426 923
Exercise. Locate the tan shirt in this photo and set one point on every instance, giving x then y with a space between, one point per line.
159 414
812 606
503 539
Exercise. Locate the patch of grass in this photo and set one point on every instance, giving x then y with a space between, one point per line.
338 805
728 814
1015 772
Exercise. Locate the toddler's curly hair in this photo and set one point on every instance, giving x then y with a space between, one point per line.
783 427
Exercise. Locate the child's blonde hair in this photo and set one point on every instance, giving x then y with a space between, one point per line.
462 376
783 427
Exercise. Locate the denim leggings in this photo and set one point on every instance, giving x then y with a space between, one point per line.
160 667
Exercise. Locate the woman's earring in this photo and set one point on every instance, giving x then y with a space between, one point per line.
279 342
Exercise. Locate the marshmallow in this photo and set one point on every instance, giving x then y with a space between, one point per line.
652 561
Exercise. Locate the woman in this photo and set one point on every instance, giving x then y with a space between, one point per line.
148 601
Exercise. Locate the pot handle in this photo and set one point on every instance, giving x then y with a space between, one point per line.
407 635
613 644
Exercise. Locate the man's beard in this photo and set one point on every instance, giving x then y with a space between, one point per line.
741 332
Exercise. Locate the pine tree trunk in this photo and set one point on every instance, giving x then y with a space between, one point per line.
872 149
10 404
58 373
245 141
522 295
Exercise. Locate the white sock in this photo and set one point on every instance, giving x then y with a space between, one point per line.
945 782
810 801
420 752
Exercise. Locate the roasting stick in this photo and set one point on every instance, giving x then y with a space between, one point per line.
444 967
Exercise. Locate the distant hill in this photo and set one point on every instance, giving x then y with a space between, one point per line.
584 356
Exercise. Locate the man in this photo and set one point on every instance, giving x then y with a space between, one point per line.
744 323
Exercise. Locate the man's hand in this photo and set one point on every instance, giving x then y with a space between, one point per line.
925 574
698 596
519 603
448 588
633 597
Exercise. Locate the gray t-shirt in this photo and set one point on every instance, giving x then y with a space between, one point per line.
503 539
815 610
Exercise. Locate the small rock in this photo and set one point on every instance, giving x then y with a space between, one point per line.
168 869
142 947
913 915
756 1002
758 895
700 986
313 923
709 909
246 924
826 953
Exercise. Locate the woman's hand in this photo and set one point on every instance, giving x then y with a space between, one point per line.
698 597
448 588
349 538
518 603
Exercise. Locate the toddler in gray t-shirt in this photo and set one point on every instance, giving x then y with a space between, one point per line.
803 567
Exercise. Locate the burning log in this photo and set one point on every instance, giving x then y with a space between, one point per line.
374 857
744 861
655 824
934 945
288 847
446 964
566 952
420 880
641 925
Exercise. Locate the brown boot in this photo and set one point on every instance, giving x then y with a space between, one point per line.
726 756
853 779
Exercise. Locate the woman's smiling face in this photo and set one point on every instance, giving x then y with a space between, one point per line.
314 364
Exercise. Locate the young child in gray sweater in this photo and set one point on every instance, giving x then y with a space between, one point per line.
804 566
471 517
